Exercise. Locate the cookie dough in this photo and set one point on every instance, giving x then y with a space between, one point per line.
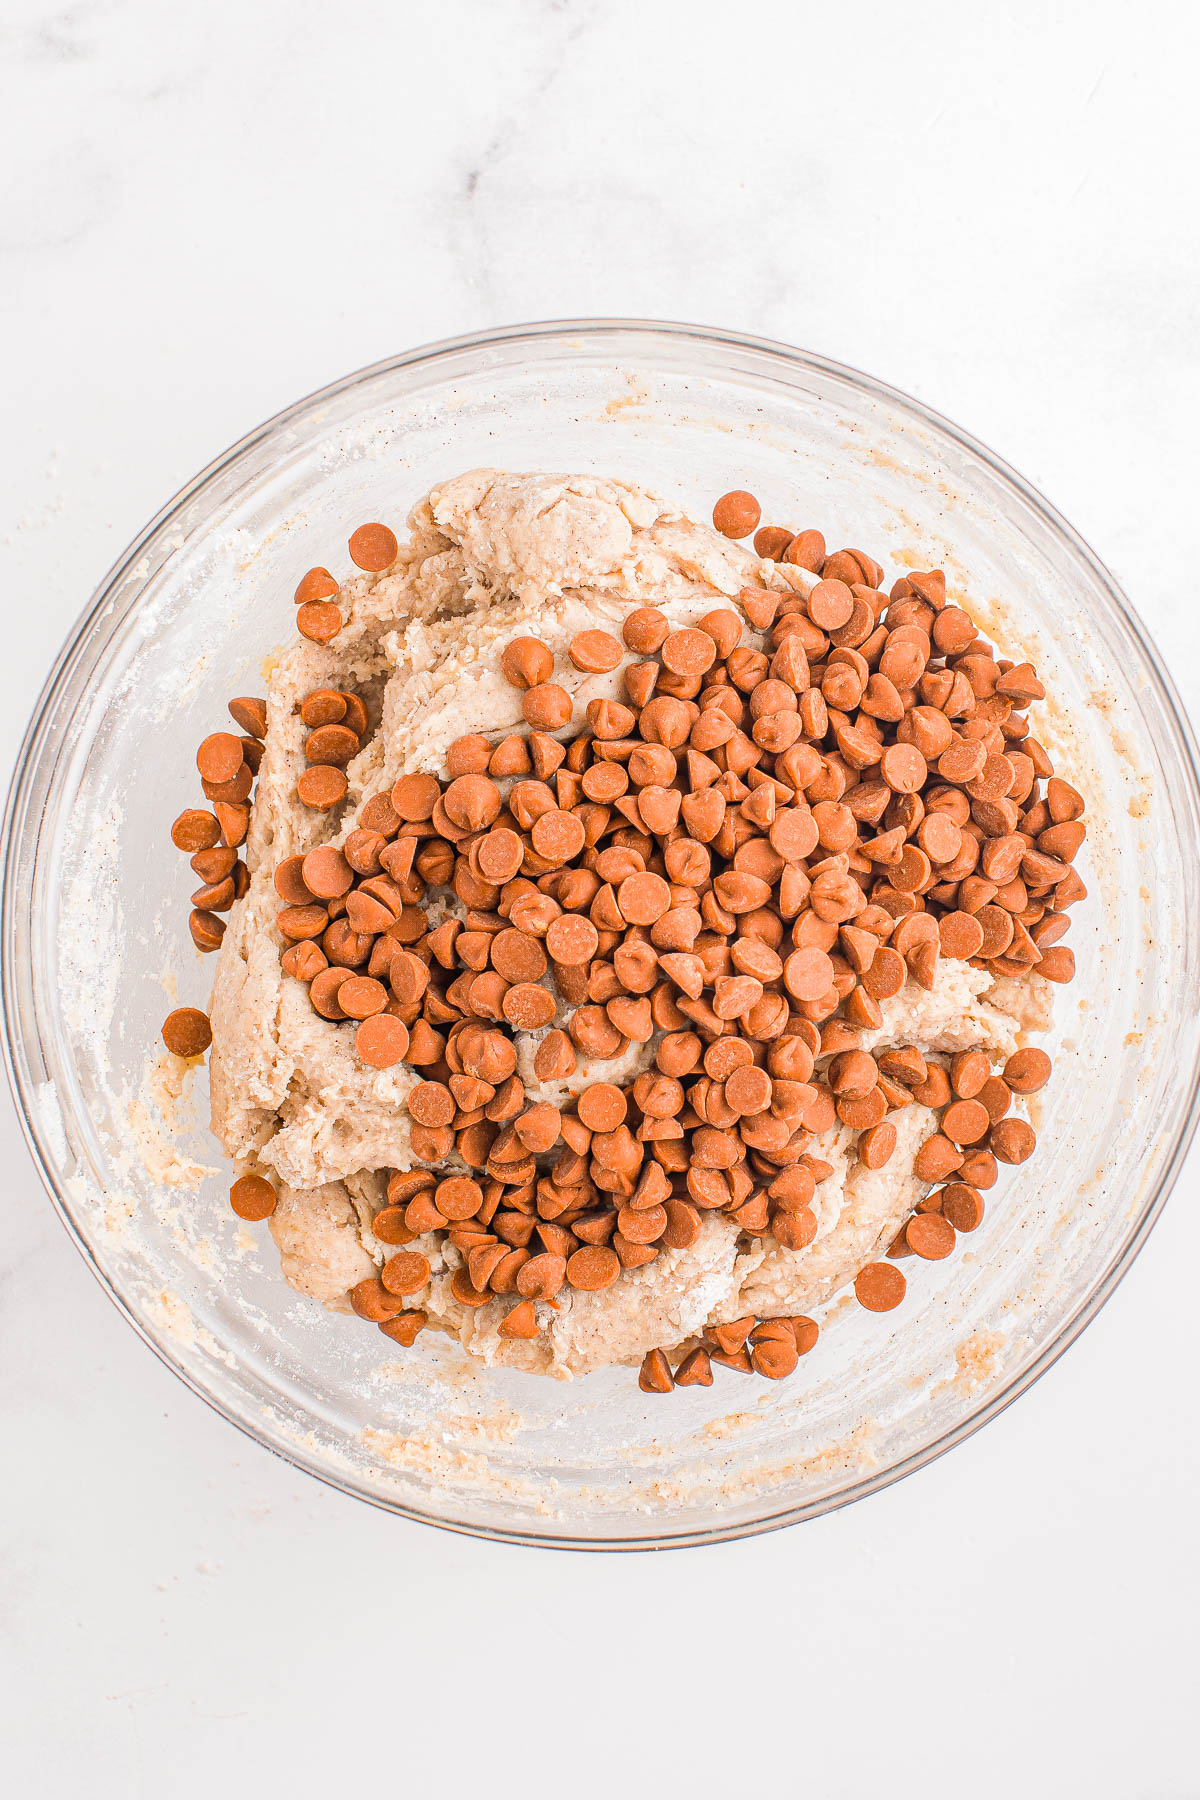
492 555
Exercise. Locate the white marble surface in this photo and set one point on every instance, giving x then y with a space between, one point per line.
211 210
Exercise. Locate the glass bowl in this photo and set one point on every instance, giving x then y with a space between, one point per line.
96 946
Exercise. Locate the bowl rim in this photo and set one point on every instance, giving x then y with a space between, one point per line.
36 739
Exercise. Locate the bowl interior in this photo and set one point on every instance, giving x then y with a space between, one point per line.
98 949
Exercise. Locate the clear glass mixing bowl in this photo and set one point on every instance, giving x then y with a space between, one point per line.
96 945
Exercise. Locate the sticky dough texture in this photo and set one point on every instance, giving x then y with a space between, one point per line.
492 555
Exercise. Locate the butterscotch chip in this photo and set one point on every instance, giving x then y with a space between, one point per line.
322 787
323 993
775 1357
724 627
935 1090
830 604
379 815
695 1370
752 956
373 547
969 1069
853 1073
431 1143
520 1322
296 922
748 1090
361 997
602 1107
324 706
962 1205
421 1215
940 837
654 1376
356 715
472 802
332 744
458 1197
431 1103
526 662
415 796
593 1268
596 652
736 514
366 914
1012 1140
1057 963
518 957
965 1122
187 1032
682 1227
876 1145
236 790
220 757
465 1291
195 830
666 721
805 1332
807 551
405 1273
381 1042
527 1007
405 1327
796 1227
389 1227
930 1235
610 721
732 1337
962 762
642 1225
304 961
739 892
808 974
499 855
558 836
770 542
658 808
645 630
547 707
216 864
1027 1070
998 928
643 898
794 833
372 1301
541 1277
938 1158
903 768
960 935
252 1198
886 975
317 584
554 1058
404 1183
469 755
996 1096
326 873
539 1127
880 1287
688 652
319 621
